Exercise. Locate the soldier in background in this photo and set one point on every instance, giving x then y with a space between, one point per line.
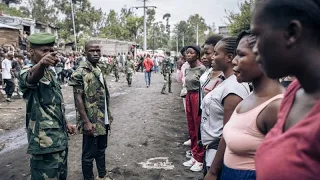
93 111
129 69
46 124
115 67
167 69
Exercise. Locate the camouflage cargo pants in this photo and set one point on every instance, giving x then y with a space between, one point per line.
129 78
51 166
167 82
116 74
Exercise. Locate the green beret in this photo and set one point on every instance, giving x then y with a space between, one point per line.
42 38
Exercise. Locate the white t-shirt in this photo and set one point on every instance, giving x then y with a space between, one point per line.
212 111
183 69
203 79
6 69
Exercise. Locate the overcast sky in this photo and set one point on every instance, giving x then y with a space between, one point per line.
213 11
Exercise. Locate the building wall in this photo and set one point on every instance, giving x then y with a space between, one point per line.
9 36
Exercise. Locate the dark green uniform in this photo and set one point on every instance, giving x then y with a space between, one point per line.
86 79
91 82
45 121
116 68
166 72
46 126
129 69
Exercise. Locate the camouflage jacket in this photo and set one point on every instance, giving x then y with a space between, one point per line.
45 118
167 65
115 64
129 65
86 79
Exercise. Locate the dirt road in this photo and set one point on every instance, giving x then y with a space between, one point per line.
147 125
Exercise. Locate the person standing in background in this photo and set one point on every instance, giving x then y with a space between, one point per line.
147 65
166 71
156 63
7 76
129 69
192 84
115 67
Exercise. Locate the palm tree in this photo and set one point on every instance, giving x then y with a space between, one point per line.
167 16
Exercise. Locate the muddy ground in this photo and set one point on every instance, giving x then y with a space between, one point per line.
147 125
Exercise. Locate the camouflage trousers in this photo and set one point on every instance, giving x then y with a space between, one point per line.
51 166
167 82
129 78
116 74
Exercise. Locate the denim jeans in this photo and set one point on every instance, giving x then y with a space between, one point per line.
234 174
147 76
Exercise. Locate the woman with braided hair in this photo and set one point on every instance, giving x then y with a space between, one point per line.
288 45
219 104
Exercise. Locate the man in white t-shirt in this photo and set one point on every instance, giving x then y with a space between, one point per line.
7 76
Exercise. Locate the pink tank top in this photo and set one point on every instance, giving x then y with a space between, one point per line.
243 137
295 153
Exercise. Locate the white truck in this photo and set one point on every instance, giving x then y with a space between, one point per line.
112 47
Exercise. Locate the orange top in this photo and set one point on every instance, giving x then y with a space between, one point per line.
243 137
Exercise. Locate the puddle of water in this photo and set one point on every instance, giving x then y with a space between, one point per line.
13 139
116 94
158 163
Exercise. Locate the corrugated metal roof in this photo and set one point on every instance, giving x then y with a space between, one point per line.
7 26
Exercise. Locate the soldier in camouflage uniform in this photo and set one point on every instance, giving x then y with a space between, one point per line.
93 111
116 68
129 69
45 119
167 69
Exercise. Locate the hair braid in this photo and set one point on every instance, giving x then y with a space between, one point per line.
231 44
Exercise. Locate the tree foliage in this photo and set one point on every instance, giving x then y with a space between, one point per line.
238 22
41 10
121 25
185 32
12 11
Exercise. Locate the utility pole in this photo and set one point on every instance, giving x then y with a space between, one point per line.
197 29
74 26
145 7
177 44
183 39
153 39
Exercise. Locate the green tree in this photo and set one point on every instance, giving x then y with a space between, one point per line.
42 11
238 22
203 28
11 11
185 32
112 28
87 18
157 37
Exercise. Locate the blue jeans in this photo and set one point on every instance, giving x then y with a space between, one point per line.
147 76
156 69
234 174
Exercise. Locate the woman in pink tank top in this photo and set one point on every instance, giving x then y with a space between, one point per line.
288 44
253 117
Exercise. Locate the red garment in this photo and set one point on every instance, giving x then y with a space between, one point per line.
192 105
294 154
148 64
